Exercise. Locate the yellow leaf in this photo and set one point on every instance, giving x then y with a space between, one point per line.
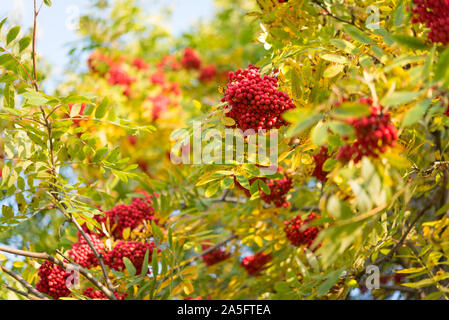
188 287
332 71
126 233
228 121
258 240
197 104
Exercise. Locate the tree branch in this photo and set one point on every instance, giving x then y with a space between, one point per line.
23 282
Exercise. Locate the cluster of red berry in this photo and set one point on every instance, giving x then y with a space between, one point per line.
279 190
140 64
319 159
215 256
83 254
97 294
207 73
169 62
374 133
124 216
255 101
435 15
100 62
133 250
161 104
190 59
52 280
254 264
117 76
297 236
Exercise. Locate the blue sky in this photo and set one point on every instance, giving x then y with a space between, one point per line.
54 23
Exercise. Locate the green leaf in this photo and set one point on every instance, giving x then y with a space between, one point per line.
227 183
102 109
12 34
357 34
24 43
442 66
319 134
411 42
301 120
129 266
2 23
75 99
333 70
351 110
329 282
335 58
341 128
34 98
212 189
47 3
399 98
329 164
154 264
145 263
416 113
344 45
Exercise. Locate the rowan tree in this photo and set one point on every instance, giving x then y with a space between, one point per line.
353 94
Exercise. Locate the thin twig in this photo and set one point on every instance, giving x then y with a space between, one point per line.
19 292
317 2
